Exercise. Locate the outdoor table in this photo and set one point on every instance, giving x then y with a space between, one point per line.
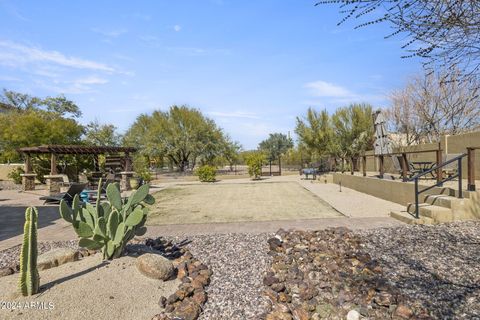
422 166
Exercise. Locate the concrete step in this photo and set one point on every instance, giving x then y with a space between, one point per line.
437 213
447 191
407 218
441 200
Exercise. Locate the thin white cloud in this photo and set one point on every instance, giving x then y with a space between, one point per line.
19 55
150 40
177 28
76 86
141 16
326 89
195 51
236 114
112 33
91 80
331 94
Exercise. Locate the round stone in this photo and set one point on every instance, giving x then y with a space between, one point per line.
155 266
353 315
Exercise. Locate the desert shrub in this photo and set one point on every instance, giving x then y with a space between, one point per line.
140 166
15 175
206 173
255 161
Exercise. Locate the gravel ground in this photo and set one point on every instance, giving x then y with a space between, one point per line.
11 256
439 266
238 262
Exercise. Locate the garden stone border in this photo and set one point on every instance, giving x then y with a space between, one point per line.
187 302
327 274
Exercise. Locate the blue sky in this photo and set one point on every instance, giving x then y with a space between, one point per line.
251 65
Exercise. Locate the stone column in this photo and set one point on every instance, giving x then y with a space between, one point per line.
53 164
125 181
28 178
54 183
28 181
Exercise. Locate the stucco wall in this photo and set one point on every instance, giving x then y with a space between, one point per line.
5 169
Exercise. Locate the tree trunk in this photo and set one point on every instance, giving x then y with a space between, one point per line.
279 166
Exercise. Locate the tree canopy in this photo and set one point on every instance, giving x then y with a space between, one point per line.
31 121
98 134
25 102
276 145
345 134
315 132
182 135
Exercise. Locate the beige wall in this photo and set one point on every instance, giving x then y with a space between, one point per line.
5 169
449 144
395 191
392 190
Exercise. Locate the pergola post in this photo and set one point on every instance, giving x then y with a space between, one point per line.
54 181
364 165
470 169
127 174
28 178
404 165
96 165
439 162
53 164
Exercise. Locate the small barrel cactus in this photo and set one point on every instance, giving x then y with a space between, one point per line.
109 225
29 277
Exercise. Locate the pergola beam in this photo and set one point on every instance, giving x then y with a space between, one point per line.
75 149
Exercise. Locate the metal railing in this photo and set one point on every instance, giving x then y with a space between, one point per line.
440 182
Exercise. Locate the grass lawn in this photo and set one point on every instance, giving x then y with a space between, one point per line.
207 203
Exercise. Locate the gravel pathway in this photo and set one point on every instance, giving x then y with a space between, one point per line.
238 262
439 266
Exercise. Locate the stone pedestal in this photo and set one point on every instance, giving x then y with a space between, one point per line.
125 181
28 181
54 184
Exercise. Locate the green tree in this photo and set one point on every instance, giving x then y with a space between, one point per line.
255 161
24 102
98 134
315 133
275 146
353 131
231 152
182 134
35 127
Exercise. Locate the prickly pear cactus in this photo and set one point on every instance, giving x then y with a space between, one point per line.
109 225
29 277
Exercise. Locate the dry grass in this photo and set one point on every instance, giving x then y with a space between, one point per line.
208 203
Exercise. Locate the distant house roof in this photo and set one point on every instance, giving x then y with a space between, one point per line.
75 149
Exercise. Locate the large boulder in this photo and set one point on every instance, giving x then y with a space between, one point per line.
155 266
56 257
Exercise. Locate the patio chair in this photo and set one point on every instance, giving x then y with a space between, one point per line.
397 164
66 181
451 168
74 189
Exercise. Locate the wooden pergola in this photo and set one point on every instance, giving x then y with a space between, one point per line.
56 150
